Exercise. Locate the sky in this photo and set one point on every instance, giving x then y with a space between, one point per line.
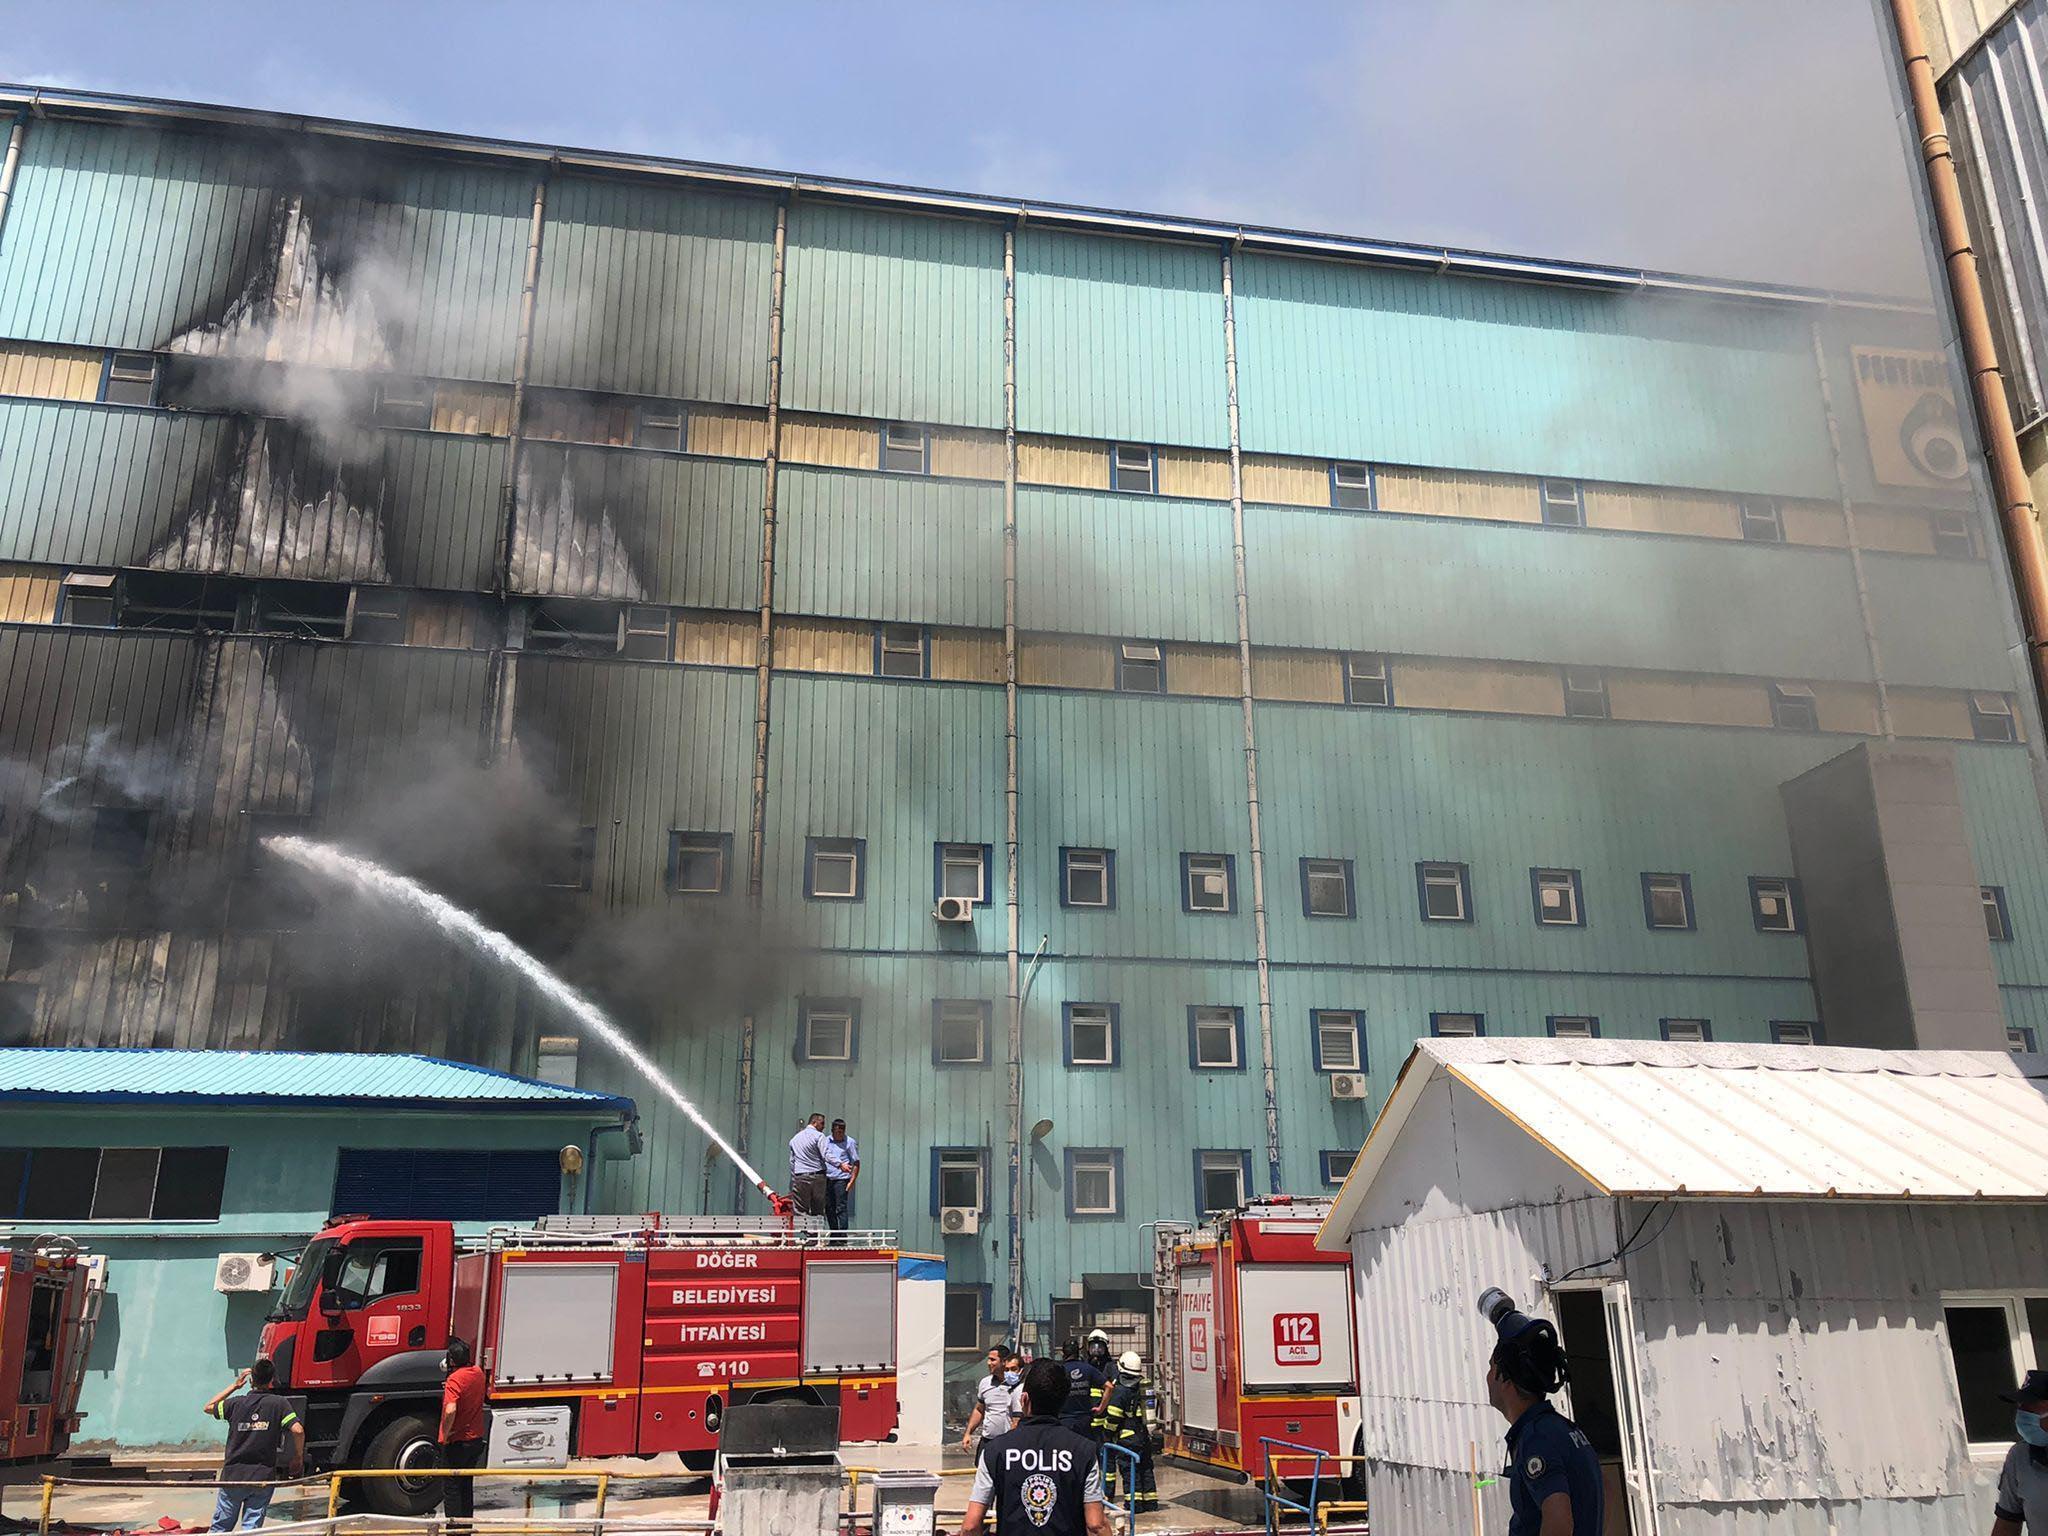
1738 138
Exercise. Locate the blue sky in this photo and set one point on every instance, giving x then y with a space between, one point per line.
1750 138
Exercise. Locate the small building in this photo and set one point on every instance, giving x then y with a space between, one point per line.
1791 1280
172 1164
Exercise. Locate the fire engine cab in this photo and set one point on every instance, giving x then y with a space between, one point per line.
1254 1339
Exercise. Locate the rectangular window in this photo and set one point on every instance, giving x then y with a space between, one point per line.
660 424
1326 888
1087 877
2019 1037
963 871
554 1059
1446 892
1091 1030
1774 904
1585 693
376 616
1993 1341
1336 1165
1762 521
89 599
407 403
1563 506
1667 901
1351 487
906 449
1686 1031
1794 1032
902 650
829 1029
1131 468
1095 1181
1366 683
301 610
119 837
1991 717
959 1178
1336 1038
1556 893
575 627
1140 667
1221 1179
1952 536
963 1317
1457 1026
573 863
112 1183
1793 707
130 379
959 1033
1208 882
647 634
697 862
1215 1039
1997 917
835 868
1572 1026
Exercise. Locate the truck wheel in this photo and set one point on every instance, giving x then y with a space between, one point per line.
407 1442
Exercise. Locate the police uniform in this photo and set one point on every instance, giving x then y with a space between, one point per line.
1038 1477
1124 1424
1547 1453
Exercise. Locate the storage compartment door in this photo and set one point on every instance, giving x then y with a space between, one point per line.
849 1315
1295 1327
557 1322
1198 1347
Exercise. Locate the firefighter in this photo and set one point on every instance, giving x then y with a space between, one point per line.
1553 1472
1125 1424
1097 1355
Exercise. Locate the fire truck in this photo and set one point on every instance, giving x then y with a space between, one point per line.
49 1302
1254 1339
607 1336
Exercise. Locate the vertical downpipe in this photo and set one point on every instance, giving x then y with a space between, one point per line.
12 164
504 696
1251 741
764 663
1827 405
1013 923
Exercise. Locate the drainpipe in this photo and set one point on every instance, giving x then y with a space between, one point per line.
1848 505
1012 917
522 360
12 164
1016 1136
1251 744
2016 513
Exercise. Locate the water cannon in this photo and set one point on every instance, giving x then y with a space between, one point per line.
782 1205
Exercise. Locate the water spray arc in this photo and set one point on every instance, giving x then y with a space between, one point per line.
374 880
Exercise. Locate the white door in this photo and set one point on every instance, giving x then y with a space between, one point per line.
1635 1466
1295 1327
1198 1346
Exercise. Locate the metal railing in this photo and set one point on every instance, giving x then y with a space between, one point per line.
1129 1511
1317 1509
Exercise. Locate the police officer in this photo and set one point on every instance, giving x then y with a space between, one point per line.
1039 1477
2023 1480
1125 1424
1084 1386
1552 1470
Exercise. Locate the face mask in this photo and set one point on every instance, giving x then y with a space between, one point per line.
2030 1427
1009 1378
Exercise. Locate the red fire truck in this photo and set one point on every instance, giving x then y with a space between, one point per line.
49 1301
638 1332
1254 1339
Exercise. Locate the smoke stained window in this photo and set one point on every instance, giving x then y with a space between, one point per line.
377 615
1667 901
1793 707
647 634
1326 888
1763 522
407 404
88 599
828 1030
1366 684
1558 901
120 836
1208 882
130 379
573 864
1774 904
660 424
960 1033
1585 693
697 862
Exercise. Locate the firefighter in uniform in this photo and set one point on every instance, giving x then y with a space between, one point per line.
1552 1469
1041 1479
1125 1424
1097 1355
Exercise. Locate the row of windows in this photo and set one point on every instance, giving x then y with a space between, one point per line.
112 1183
1094 1178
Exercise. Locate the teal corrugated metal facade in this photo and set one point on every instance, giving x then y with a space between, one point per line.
913 550
1145 566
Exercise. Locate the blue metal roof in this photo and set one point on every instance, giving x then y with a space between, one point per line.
60 1075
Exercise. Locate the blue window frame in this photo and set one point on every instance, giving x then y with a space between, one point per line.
1562 502
1774 905
1997 917
827 1031
1327 889
1367 682
1217 1171
960 1033
957 1161
1095 1183
1354 487
1327 1028
1444 892
1572 1026
1335 1165
129 378
905 448
1088 878
699 863
1140 666
1686 1030
958 861
1558 898
1208 884
1216 1037
1796 1032
903 651
1101 1037
1457 1026
1667 901
1133 467
2019 1037
840 863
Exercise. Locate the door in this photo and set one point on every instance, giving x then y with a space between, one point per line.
1599 1344
378 1309
1295 1327
1198 1347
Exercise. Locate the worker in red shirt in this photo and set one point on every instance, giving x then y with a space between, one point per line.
462 1428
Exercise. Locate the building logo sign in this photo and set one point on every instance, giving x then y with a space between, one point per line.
1909 418
1297 1338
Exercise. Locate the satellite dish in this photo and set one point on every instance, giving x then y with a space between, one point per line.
1041 1130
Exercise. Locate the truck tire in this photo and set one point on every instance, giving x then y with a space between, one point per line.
406 1441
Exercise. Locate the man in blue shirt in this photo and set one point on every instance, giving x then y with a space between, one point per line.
842 1172
807 1166
1552 1470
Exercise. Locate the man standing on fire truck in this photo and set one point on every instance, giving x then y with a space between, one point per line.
807 1166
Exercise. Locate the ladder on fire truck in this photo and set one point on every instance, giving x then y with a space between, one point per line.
657 1231
1165 1287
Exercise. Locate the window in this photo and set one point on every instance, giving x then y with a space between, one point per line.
962 871
697 862
828 1029
1563 506
376 1268
1221 1179
1095 1181
405 403
177 601
1585 693
1351 487
963 1317
835 868
906 449
959 1178
112 1183
1087 877
89 598
1556 893
1131 468
959 1032
1991 718
554 1059
1794 1032
1952 536
1334 1034
1762 521
902 650
1993 1341
575 627
1572 1026
573 863
2019 1037
1686 1031
1366 683
1091 1031
1774 904
1667 901
1208 882
1997 919
1457 1026
1793 707
659 424
1216 1039
1446 892
1335 1166
647 634
130 379
1140 667
377 615
445 1184
1326 888
120 836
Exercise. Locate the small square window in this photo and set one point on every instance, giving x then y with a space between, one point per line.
830 1030
1131 468
1558 902
1221 1179
1793 707
1094 1181
131 379
963 871
1326 888
120 836
697 862
902 650
647 634
1563 506
1091 1034
1667 901
1686 1031
377 616
1952 536
1573 1026
1215 1039
1366 683
1351 487
1774 904
1337 1042
660 424
1140 667
1585 693
1457 1026
1794 1032
959 1033
2019 1037
1208 882
1997 917
1991 718
89 599
574 863
1087 877
1336 1166
1763 522
959 1178
1446 892
963 1317
405 403
905 449
835 868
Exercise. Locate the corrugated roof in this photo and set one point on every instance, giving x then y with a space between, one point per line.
57 1075
1747 1122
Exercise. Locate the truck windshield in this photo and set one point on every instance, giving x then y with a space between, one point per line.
298 1295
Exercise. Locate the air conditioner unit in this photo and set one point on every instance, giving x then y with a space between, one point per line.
959 1221
244 1272
954 909
1347 1085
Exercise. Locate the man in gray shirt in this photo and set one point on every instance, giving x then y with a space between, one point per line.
2023 1481
807 1166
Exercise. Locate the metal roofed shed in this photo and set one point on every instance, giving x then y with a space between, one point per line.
1791 1280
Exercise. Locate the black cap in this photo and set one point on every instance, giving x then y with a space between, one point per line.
2033 1390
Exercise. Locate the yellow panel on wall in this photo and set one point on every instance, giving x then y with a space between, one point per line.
1814 522
1064 661
475 410
1063 461
1932 712
718 639
28 594
440 619
967 454
1450 493
1288 482
1309 677
728 433
1208 671
50 373
1848 707
1187 472
1899 530
1653 509
1687 700
824 645
565 418
967 655
1498 687
830 440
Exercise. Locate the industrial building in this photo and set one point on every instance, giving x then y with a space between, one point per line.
1076 693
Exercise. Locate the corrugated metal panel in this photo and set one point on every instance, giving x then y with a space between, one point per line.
967 655
100 1075
1693 700
1206 671
824 645
1373 363
2008 844
474 410
94 485
969 455
1286 482
28 595
1646 509
1943 622
50 373
1124 565
1551 595
1059 661
1899 530
1850 707
730 434
1451 493
1063 461
1203 475
443 509
1814 522
1926 712
1309 677
1498 687
440 619
654 291
832 441
718 639
894 316
894 547
1120 339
